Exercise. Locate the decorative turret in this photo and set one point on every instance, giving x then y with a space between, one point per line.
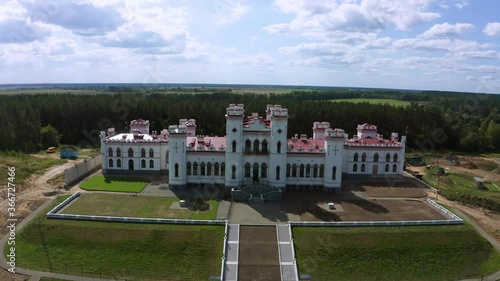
319 130
140 125
190 126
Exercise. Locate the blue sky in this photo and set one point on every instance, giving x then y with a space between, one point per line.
409 44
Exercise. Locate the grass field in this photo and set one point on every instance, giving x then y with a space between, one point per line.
119 250
101 183
375 101
45 91
98 204
25 165
394 253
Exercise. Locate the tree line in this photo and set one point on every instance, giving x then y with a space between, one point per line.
454 121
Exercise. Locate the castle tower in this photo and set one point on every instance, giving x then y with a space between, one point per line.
104 155
334 148
190 126
319 130
278 145
234 145
177 156
139 125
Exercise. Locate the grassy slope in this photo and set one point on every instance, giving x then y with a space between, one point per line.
131 206
25 165
394 253
101 183
375 101
118 249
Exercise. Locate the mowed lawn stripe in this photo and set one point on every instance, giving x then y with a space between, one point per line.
394 253
123 205
102 183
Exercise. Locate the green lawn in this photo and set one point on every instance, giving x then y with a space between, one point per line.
375 101
25 164
100 204
101 183
120 250
394 253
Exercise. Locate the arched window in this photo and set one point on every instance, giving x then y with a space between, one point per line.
278 147
256 148
321 170
302 170
387 157
387 167
233 172
234 146
394 168
264 146
195 168
110 152
308 171
223 169
363 167
355 168
118 152
143 163
130 152
375 157
278 172
151 153
188 168
294 170
334 173
202 168
255 169
176 170
395 157
118 163
131 165
263 170
151 164
356 157
247 170
248 146
216 169
143 152
209 169
363 157
288 168
315 171
110 164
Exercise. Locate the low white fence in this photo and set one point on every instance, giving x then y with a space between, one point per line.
64 203
222 270
375 223
444 210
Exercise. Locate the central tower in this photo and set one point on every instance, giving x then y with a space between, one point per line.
234 145
278 146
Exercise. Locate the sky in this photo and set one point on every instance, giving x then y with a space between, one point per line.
449 45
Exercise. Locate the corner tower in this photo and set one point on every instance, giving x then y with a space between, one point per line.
334 150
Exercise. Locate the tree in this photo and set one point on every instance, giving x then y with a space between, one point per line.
493 133
49 136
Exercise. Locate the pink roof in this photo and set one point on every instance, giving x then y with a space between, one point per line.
299 145
252 119
139 122
216 142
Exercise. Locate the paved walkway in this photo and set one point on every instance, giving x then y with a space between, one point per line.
232 253
286 253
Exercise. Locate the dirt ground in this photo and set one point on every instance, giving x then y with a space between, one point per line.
381 188
314 208
258 254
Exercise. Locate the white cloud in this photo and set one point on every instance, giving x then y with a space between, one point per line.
317 18
492 29
228 11
461 4
447 30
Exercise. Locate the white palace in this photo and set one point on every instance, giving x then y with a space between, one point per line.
255 150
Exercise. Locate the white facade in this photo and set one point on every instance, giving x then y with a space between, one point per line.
254 150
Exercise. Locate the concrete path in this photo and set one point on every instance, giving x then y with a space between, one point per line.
232 253
286 254
258 213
